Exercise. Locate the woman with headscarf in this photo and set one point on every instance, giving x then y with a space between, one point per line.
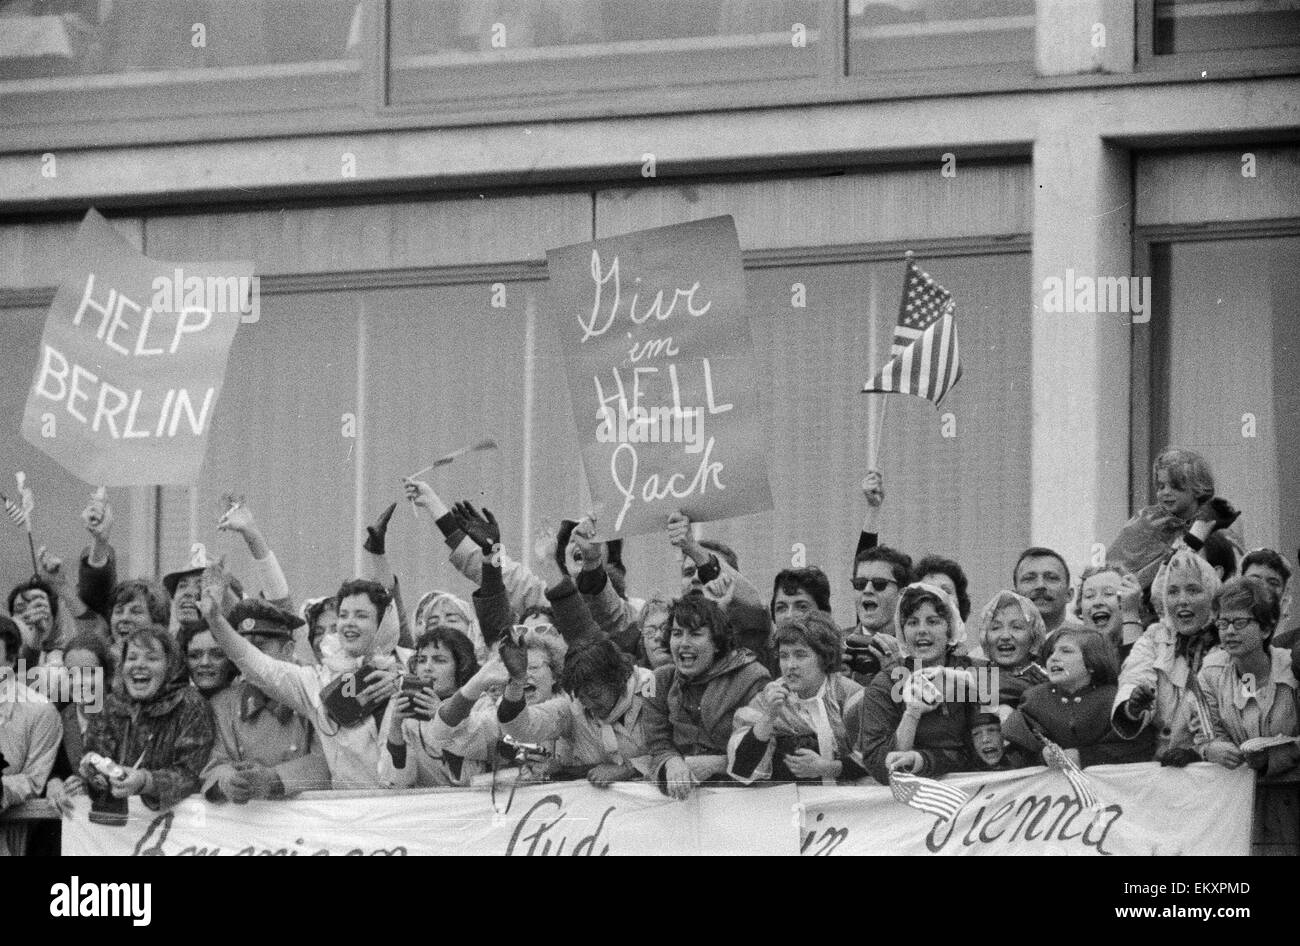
798 727
443 609
1157 684
1011 632
1249 686
157 728
917 717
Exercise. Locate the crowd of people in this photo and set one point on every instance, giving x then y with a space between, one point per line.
1171 649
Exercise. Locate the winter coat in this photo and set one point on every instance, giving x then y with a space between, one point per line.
942 735
693 717
253 728
170 735
1078 720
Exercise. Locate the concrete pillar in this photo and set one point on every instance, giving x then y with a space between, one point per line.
1080 436
1075 37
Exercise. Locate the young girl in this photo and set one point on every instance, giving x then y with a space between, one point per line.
1186 511
797 728
1073 708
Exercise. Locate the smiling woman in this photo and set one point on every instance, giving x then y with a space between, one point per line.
152 722
1249 686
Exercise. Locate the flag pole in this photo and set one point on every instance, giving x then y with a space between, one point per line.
873 458
31 547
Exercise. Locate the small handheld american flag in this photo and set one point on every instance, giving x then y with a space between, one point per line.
20 512
1056 758
927 794
924 359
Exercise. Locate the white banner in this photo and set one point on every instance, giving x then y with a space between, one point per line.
1146 810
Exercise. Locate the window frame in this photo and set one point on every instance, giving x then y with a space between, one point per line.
1193 65
1149 363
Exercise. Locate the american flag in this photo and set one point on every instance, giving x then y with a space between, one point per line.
928 795
923 359
1056 758
20 512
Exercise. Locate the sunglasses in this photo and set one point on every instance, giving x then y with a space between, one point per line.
878 584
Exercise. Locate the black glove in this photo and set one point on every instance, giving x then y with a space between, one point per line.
1139 701
482 528
1218 511
1180 758
376 534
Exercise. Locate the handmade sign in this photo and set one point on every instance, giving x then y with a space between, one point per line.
132 361
661 370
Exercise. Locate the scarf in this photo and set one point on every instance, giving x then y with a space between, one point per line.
1194 647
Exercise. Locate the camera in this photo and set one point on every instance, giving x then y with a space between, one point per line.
340 696
104 808
412 685
858 656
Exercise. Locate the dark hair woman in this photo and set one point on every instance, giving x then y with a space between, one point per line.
689 718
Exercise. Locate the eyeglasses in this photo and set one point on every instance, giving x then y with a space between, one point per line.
688 570
1239 623
879 584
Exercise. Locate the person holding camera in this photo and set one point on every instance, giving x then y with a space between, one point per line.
798 728
346 695
155 731
263 749
414 756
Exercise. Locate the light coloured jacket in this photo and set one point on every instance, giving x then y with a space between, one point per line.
30 732
1152 661
351 752
1237 712
523 587
473 740
619 740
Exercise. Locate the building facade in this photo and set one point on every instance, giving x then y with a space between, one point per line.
397 169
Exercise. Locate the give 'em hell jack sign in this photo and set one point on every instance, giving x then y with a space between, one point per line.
661 370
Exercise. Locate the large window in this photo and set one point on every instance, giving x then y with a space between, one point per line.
127 58
444 49
1201 35
1224 361
994 36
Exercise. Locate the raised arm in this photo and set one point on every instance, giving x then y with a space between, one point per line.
266 567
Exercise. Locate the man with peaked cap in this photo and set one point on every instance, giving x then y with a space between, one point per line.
263 749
